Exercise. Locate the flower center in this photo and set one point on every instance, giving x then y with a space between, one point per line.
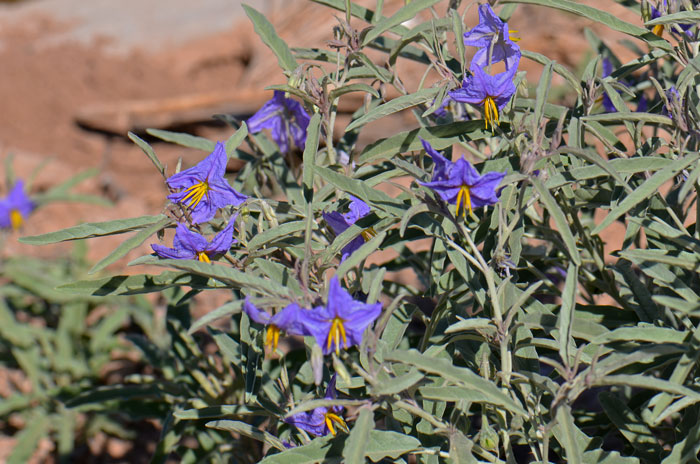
658 30
334 335
272 336
510 35
490 112
368 234
330 417
195 193
16 219
464 194
203 257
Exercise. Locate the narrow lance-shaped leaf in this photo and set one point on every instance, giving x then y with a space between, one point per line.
94 229
268 35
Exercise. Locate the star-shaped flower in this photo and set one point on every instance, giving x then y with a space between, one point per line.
342 321
340 222
462 185
482 89
285 118
492 36
191 245
15 207
320 421
203 187
286 320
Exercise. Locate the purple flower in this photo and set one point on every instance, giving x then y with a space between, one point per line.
674 101
319 421
442 164
491 35
15 207
203 188
482 89
607 103
461 184
340 222
285 118
342 321
191 245
287 320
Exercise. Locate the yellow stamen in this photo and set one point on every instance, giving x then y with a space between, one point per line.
195 193
272 336
510 35
203 257
336 333
464 194
330 418
658 30
16 219
368 234
490 112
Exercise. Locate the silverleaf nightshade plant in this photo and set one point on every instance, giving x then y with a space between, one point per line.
15 207
203 189
191 245
460 184
286 118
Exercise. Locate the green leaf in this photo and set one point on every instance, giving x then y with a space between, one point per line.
566 313
682 17
214 412
28 439
148 150
94 229
401 16
602 17
268 35
393 106
356 87
227 275
283 230
542 93
226 310
440 137
559 219
568 436
632 427
236 139
185 140
354 450
381 445
360 189
398 384
686 450
136 284
559 69
618 117
131 243
247 430
360 254
464 377
313 133
646 190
